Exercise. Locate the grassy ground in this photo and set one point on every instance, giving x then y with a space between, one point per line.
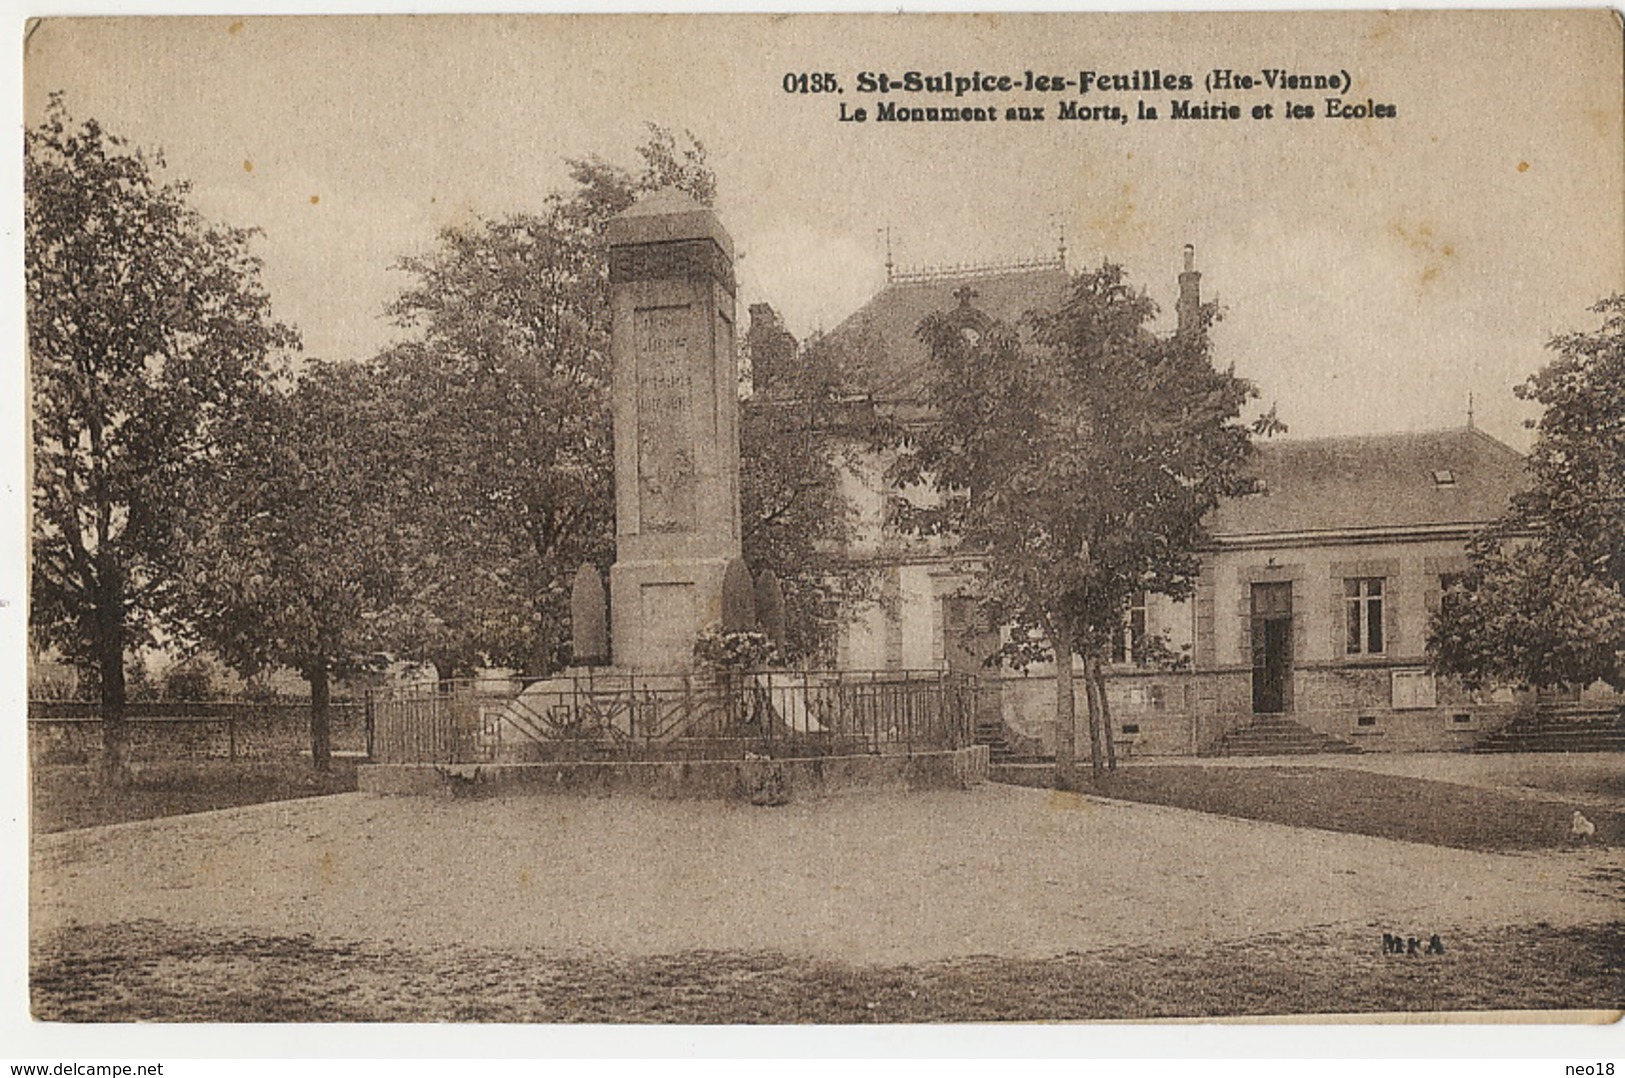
68 796
148 971
1349 800
1596 778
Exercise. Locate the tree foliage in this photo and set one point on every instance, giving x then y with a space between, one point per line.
148 331
506 380
797 435
506 391
1544 600
298 559
1077 455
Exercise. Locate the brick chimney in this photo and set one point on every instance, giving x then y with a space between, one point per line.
1190 293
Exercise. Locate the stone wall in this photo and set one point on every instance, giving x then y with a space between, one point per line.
759 781
1410 572
1356 703
1152 714
1170 713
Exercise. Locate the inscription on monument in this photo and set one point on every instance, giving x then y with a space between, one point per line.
666 474
726 322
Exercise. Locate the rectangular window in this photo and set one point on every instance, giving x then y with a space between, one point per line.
1451 594
891 608
1128 643
1362 607
939 630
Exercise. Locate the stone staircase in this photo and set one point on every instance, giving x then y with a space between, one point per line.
1275 735
1568 730
1000 750
991 734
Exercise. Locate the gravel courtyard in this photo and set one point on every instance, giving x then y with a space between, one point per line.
869 879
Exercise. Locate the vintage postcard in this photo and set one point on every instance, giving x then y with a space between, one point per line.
825 519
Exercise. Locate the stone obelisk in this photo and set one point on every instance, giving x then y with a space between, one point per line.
676 409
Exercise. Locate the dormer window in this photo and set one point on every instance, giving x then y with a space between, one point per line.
1444 477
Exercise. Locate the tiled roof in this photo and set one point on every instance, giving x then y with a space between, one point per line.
1455 476
889 362
1310 485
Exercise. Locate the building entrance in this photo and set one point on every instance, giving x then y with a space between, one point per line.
1272 648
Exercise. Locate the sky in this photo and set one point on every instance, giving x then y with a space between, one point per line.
1373 272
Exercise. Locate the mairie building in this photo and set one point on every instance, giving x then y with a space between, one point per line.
1308 627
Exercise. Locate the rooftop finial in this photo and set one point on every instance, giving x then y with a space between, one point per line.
1190 294
890 265
1469 410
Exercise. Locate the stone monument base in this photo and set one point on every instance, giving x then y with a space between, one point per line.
659 608
760 781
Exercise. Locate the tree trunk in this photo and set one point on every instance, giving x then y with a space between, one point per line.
115 770
1066 713
1106 716
321 737
443 665
1096 764
1091 693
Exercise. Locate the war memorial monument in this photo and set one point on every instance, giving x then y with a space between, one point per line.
638 709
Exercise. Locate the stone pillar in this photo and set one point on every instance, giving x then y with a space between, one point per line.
676 406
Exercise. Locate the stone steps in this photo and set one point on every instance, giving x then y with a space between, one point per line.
1276 736
991 734
1603 732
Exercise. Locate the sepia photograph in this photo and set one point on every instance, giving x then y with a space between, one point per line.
823 520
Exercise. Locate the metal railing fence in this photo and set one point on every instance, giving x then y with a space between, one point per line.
672 716
69 731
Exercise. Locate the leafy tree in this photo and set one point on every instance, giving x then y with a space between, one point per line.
1077 455
298 555
138 681
507 382
508 393
193 678
148 330
797 433
1544 600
